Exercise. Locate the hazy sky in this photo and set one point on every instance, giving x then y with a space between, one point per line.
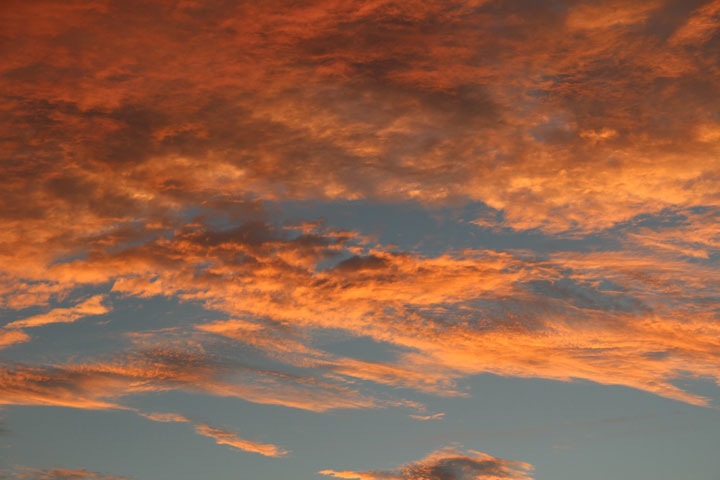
369 240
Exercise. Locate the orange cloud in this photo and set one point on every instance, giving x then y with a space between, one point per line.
97 386
402 300
701 25
609 14
444 464
89 307
27 473
455 315
225 437
581 121
11 337
221 436
402 112
161 172
165 417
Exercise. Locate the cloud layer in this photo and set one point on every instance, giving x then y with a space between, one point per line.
152 149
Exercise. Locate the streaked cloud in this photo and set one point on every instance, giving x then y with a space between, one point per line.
221 436
99 386
595 316
226 437
92 306
27 473
434 416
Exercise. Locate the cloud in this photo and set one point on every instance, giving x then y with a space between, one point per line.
225 437
165 417
435 416
157 172
162 172
700 26
454 315
99 386
221 436
11 337
595 316
27 473
446 464
404 111
89 307
609 14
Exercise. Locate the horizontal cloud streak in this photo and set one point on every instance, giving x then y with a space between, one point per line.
96 386
221 436
27 473
446 464
225 437
89 307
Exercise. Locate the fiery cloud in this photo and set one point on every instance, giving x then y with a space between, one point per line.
458 314
153 149
509 314
393 114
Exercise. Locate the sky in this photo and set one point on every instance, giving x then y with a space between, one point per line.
360 239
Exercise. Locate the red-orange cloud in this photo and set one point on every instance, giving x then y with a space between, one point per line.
562 122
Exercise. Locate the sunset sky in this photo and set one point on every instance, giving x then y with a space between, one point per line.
360 240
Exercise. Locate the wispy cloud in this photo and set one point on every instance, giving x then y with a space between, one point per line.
434 416
27 473
226 437
221 436
99 386
92 306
